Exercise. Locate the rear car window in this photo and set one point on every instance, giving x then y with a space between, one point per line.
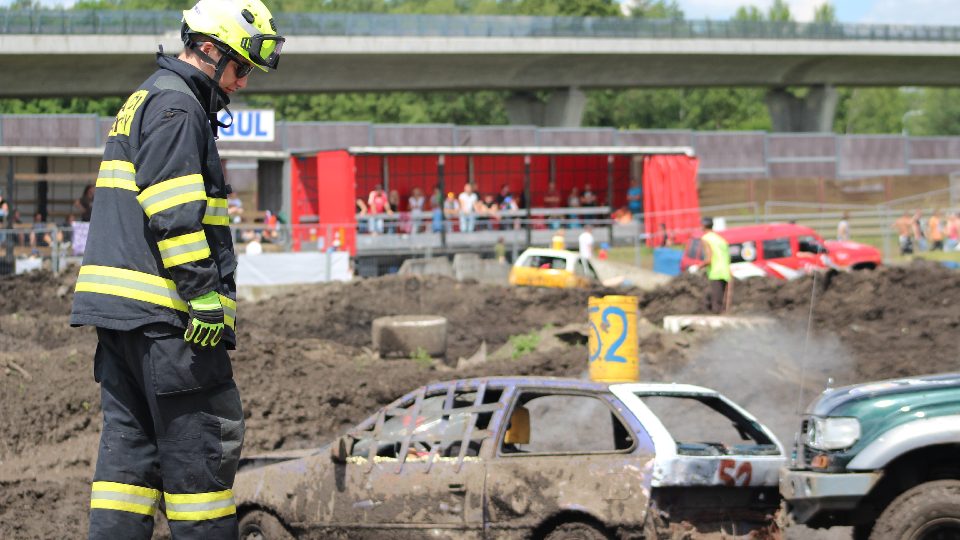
776 248
745 252
545 262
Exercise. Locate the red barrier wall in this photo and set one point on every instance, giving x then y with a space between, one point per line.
670 197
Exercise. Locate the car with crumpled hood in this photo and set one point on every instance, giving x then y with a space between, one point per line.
525 457
882 457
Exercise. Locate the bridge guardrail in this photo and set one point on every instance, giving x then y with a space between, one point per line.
80 21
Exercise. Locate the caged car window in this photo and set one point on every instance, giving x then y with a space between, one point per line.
745 252
433 428
569 424
708 426
776 248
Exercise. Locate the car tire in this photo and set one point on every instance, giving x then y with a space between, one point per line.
260 525
927 512
576 530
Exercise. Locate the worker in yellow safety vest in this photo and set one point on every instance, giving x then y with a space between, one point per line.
716 259
157 281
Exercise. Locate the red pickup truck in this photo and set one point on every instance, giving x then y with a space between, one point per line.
783 251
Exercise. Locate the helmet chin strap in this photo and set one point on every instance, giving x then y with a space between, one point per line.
219 67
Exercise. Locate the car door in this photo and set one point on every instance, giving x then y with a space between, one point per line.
565 451
417 467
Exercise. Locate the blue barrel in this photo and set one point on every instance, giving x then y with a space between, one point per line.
667 261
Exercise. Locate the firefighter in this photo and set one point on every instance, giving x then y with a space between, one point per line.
157 282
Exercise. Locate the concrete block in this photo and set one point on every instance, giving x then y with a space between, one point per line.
677 323
402 335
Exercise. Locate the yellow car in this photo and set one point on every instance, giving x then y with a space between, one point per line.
538 267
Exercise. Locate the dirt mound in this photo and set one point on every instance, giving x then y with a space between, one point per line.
306 371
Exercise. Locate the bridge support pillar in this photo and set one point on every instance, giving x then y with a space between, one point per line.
811 113
564 108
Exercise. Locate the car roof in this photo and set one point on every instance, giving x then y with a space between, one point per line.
766 231
566 383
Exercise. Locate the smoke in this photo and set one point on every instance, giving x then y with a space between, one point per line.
771 371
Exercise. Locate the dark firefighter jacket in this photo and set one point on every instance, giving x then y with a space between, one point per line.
159 234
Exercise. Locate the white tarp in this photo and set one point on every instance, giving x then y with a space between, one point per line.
292 268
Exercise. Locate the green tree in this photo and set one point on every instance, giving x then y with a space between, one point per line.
656 9
938 112
825 13
871 110
779 11
748 14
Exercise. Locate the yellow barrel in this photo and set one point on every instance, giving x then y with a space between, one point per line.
613 343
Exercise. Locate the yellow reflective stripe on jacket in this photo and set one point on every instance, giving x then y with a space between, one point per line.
143 287
216 213
124 498
172 192
229 311
199 506
183 249
130 284
117 174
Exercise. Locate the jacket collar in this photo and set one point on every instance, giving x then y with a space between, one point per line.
199 82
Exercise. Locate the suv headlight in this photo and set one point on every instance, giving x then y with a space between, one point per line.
832 433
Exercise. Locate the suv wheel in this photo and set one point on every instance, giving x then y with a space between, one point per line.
930 511
576 530
260 525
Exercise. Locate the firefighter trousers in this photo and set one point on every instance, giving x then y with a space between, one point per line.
165 449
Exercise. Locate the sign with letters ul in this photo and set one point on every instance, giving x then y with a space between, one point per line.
248 125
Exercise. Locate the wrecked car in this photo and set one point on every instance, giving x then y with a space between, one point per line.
531 457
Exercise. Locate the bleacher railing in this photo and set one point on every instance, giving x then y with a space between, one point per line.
79 21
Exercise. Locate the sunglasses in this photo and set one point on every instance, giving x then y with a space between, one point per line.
242 69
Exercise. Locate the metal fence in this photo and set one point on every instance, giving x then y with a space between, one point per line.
723 155
77 21
53 248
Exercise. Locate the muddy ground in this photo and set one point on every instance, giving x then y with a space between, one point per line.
305 369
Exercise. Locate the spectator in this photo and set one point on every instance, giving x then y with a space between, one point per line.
417 202
573 201
953 231
500 251
552 200
935 232
635 198
843 228
361 211
468 209
503 195
451 210
904 227
377 206
919 240
4 212
586 242
510 204
436 207
394 199
489 211
38 235
663 237
589 198
84 204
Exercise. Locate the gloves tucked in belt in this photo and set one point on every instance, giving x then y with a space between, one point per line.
205 327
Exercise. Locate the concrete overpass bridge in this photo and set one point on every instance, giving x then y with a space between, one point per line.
99 53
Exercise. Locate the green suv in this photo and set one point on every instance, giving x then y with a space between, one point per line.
882 457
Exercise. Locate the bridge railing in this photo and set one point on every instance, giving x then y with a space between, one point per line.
78 21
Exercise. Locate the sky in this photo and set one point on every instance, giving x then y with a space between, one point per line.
935 12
